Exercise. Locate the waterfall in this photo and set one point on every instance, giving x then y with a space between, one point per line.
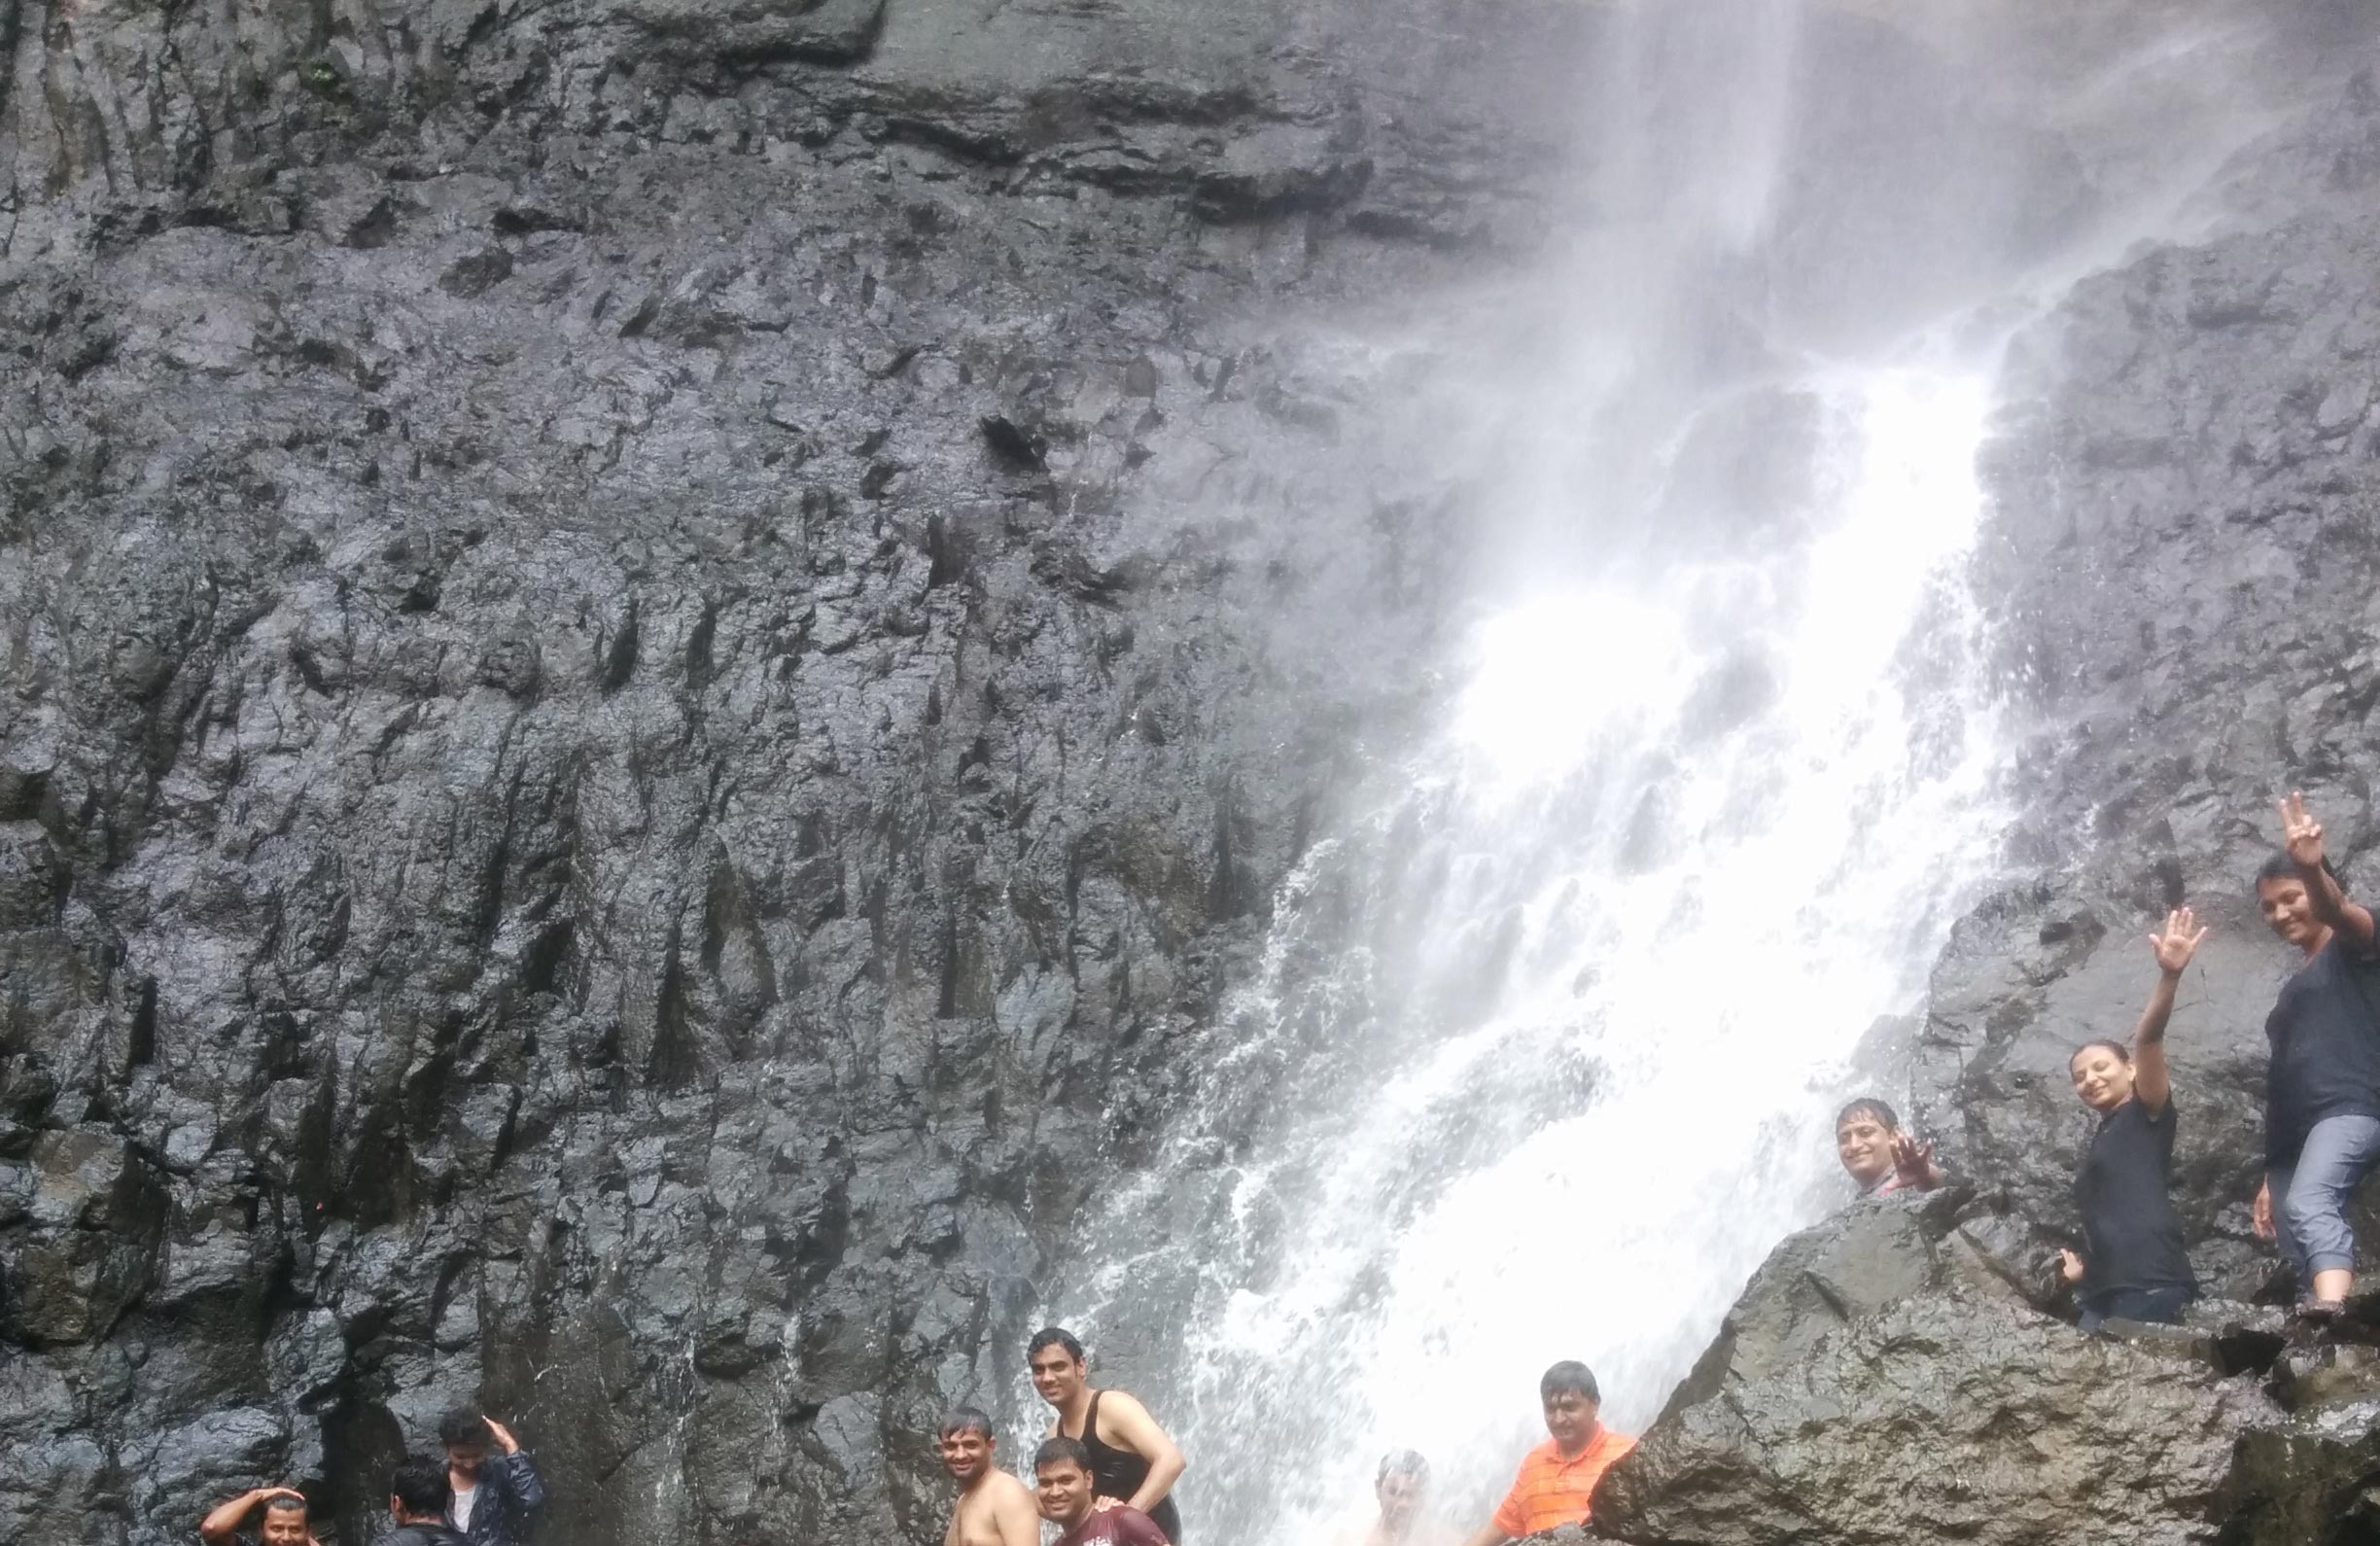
1544 1051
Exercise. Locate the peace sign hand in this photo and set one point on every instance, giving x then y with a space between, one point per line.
2300 833
2178 942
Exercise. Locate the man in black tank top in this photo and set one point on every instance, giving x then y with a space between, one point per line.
1133 1460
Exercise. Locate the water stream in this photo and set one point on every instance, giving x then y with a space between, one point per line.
1544 1052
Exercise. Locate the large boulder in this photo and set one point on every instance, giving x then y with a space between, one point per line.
1882 1381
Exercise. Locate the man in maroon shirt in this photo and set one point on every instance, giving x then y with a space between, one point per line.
1068 1496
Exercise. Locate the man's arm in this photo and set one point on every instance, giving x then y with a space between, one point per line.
222 1522
1015 1517
2303 836
1141 1435
2151 1078
517 1473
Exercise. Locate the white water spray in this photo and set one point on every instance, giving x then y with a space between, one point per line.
1544 1053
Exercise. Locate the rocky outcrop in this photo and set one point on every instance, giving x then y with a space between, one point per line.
1882 1380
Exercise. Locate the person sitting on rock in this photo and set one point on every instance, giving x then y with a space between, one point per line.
2322 1091
1557 1478
495 1496
284 1522
1879 1156
994 1508
1133 1460
419 1495
2133 1266
1071 1498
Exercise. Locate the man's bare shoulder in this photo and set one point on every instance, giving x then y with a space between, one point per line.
975 1522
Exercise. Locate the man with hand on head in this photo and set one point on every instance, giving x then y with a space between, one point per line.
994 1508
495 1496
284 1522
1070 1498
417 1501
1557 1478
1131 1460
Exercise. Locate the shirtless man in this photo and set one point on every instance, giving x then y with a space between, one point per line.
994 1508
1069 1499
283 1520
1131 1460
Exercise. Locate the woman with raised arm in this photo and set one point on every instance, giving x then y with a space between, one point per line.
2133 1266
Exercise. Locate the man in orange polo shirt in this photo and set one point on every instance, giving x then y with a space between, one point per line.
1557 1478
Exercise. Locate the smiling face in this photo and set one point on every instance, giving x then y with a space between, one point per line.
1570 1419
1062 1489
966 1454
2290 912
1056 1374
284 1527
2101 1077
1864 1144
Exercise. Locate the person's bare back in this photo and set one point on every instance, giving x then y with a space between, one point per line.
996 1510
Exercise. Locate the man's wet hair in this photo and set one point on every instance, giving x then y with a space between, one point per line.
1869 1105
1061 1447
419 1487
2123 1054
965 1420
1568 1376
1402 1462
463 1425
1054 1337
285 1503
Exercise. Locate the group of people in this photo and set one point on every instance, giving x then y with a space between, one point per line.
1105 1472
2322 1109
483 1491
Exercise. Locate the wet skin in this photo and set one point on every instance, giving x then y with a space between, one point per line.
1400 1496
284 1527
966 1454
1570 1418
1058 1375
2290 913
1866 1148
1062 1489
2101 1079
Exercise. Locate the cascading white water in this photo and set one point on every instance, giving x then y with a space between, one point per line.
1544 1053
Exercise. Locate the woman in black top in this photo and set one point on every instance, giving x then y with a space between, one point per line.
2132 1266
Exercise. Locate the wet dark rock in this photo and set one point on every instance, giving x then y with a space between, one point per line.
565 840
1871 1385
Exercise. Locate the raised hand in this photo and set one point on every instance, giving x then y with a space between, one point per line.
2178 942
2300 833
504 1435
2069 1266
1914 1162
2260 1215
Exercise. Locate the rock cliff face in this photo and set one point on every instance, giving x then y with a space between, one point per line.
649 694
599 810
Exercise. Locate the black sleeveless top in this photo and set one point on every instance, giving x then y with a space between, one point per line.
1119 1473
